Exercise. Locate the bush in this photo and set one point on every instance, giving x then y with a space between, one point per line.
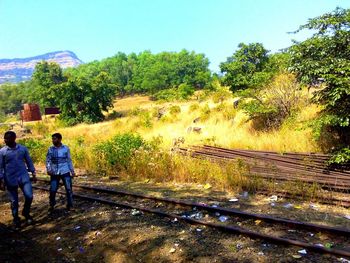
183 92
136 111
37 148
229 113
221 94
205 112
145 120
341 157
193 107
166 95
115 154
271 105
175 109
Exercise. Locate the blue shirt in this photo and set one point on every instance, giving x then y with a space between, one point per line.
58 160
14 163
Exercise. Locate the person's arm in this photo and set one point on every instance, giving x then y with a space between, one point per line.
2 168
70 163
29 163
48 163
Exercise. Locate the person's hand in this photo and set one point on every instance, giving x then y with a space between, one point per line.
34 177
72 174
2 185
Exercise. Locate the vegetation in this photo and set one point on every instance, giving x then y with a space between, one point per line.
270 106
262 101
322 61
46 80
250 67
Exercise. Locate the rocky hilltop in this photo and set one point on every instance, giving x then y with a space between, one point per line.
21 69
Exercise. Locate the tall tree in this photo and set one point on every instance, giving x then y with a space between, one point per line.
325 58
84 99
46 78
246 67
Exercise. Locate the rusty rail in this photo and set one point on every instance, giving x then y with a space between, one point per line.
221 227
221 210
281 168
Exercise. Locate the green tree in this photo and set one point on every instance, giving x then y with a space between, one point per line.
46 78
11 98
84 99
246 67
324 58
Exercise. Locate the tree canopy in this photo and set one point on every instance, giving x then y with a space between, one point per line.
46 78
246 67
324 59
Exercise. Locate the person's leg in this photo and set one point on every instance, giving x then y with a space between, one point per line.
54 181
28 199
13 195
67 181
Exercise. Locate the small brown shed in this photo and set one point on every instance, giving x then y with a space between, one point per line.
30 112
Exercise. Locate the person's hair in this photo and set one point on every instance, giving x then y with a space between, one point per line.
12 134
57 135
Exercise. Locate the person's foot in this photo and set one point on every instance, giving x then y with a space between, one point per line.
29 220
28 217
69 209
17 223
50 211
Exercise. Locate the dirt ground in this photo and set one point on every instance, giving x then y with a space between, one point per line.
101 233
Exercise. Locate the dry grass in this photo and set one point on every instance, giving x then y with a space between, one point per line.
220 124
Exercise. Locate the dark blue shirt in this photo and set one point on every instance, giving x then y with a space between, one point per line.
15 164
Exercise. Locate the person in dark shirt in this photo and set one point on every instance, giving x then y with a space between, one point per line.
15 162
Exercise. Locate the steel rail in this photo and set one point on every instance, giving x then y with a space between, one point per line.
310 173
280 161
222 210
332 182
221 227
305 159
313 173
273 152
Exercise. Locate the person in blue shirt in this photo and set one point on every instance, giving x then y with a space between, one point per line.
15 162
60 167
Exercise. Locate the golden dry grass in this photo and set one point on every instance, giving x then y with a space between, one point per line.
216 127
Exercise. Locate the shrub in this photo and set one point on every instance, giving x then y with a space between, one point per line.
221 94
136 111
37 148
185 91
229 113
166 95
115 154
193 107
175 109
182 92
144 120
277 101
205 112
341 157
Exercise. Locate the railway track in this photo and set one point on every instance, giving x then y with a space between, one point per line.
308 168
232 220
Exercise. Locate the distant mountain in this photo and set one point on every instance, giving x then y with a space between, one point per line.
21 69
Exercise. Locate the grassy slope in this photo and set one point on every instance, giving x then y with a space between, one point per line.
215 127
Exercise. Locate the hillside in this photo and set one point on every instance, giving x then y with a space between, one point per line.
21 69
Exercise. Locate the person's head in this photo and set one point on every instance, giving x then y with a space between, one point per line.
56 139
10 138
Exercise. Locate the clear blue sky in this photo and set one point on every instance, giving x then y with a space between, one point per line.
96 29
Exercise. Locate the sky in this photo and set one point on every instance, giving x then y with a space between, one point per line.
96 29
